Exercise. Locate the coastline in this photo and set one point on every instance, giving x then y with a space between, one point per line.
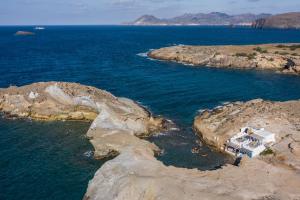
135 173
281 58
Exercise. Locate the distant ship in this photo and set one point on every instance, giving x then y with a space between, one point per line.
39 28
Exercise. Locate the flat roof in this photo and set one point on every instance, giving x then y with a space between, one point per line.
263 133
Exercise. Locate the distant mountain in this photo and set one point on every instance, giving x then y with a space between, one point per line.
147 20
286 20
214 18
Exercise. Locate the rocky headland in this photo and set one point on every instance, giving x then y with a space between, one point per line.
284 21
282 58
134 172
73 101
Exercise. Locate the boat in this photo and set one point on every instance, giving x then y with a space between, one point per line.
39 28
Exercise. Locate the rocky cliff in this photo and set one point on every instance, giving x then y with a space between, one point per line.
282 58
286 20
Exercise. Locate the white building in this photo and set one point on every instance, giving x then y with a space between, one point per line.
250 141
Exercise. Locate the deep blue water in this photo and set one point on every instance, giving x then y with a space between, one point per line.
41 160
47 161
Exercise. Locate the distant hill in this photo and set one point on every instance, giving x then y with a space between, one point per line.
286 20
214 18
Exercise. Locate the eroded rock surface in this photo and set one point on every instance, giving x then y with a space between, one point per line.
283 58
121 118
135 173
138 175
72 101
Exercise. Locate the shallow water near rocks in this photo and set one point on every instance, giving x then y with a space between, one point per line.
52 160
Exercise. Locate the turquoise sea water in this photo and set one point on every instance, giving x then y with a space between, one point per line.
52 160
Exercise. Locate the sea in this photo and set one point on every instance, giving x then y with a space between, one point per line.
54 160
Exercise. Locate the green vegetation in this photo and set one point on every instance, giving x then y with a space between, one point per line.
271 59
291 47
241 54
283 53
295 54
266 152
250 56
294 47
260 50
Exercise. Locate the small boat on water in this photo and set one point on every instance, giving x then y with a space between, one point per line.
39 28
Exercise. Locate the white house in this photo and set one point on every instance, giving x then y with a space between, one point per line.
250 141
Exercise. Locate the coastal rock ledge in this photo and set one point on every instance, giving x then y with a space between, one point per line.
282 58
134 173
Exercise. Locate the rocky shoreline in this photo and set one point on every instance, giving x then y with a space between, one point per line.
134 172
282 58
72 101
62 101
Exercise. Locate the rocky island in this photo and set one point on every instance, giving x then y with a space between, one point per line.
133 171
24 33
282 58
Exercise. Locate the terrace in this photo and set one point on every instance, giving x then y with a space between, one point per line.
249 141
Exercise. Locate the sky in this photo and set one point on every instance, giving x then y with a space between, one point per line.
71 12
